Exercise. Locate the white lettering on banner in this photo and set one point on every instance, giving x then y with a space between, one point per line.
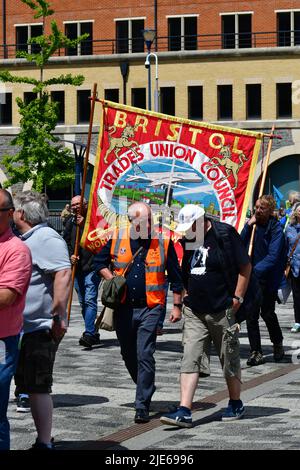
196 159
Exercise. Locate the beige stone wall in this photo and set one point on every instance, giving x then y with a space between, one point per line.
208 72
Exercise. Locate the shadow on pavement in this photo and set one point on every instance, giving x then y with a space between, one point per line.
68 400
87 445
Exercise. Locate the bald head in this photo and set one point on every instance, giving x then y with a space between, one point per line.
140 216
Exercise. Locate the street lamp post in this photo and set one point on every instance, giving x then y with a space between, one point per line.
149 35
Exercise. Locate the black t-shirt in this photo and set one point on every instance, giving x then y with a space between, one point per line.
203 275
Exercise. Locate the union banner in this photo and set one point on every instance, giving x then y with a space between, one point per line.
167 162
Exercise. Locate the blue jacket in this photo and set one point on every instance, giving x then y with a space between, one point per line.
292 232
269 253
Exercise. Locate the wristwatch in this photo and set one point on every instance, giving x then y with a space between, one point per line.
178 305
56 318
240 299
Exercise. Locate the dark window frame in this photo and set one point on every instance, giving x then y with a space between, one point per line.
233 35
129 36
6 110
167 102
253 101
284 106
288 28
139 97
61 109
195 100
179 38
28 28
83 114
74 29
109 92
225 114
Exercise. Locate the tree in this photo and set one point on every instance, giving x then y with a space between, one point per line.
41 158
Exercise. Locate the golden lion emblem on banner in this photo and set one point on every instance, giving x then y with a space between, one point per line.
116 144
231 167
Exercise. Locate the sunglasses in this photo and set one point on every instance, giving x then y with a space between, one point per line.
5 209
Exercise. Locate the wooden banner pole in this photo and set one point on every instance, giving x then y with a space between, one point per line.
85 169
262 184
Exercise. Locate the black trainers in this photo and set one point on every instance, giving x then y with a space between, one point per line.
89 341
278 352
41 446
23 405
255 359
141 416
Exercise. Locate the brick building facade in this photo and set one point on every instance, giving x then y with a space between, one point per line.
234 63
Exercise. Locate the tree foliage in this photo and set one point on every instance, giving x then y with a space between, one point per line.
40 157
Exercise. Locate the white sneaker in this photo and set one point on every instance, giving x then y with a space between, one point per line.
296 328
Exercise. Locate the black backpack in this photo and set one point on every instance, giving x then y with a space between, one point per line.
253 296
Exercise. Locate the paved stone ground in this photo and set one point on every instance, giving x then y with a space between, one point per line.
93 397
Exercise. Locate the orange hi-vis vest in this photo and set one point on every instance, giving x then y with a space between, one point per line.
155 263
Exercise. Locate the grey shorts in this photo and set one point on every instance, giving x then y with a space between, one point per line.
199 331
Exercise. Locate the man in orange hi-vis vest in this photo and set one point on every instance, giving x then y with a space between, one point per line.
138 317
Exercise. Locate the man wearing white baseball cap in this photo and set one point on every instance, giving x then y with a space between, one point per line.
210 308
188 214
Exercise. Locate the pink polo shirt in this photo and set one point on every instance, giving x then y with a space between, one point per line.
15 273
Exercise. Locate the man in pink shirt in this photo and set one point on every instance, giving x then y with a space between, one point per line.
15 273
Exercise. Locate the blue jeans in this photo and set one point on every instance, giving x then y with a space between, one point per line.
86 285
8 362
164 311
136 332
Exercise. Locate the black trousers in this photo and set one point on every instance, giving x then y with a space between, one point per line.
296 296
136 332
267 312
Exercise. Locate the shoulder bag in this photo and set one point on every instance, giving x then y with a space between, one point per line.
114 289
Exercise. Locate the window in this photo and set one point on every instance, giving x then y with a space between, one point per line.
182 33
112 95
6 109
138 97
25 32
236 30
284 100
288 28
83 106
253 101
73 31
29 96
167 100
195 102
224 102
129 36
59 97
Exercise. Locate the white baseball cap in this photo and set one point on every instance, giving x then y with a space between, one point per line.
187 216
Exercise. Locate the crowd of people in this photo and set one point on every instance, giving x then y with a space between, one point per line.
210 291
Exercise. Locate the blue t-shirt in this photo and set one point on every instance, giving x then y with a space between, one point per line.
49 255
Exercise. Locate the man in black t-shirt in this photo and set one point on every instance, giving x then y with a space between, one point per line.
210 308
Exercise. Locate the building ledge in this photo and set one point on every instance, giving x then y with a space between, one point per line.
256 125
168 56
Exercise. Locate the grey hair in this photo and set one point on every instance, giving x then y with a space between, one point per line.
294 196
33 205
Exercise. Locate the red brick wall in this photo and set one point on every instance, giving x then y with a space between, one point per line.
103 12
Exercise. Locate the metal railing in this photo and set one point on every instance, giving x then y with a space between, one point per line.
169 43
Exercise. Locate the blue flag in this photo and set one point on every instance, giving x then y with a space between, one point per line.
278 196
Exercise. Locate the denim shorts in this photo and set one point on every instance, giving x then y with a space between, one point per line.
199 331
36 360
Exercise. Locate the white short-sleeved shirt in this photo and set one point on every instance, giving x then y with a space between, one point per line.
49 255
